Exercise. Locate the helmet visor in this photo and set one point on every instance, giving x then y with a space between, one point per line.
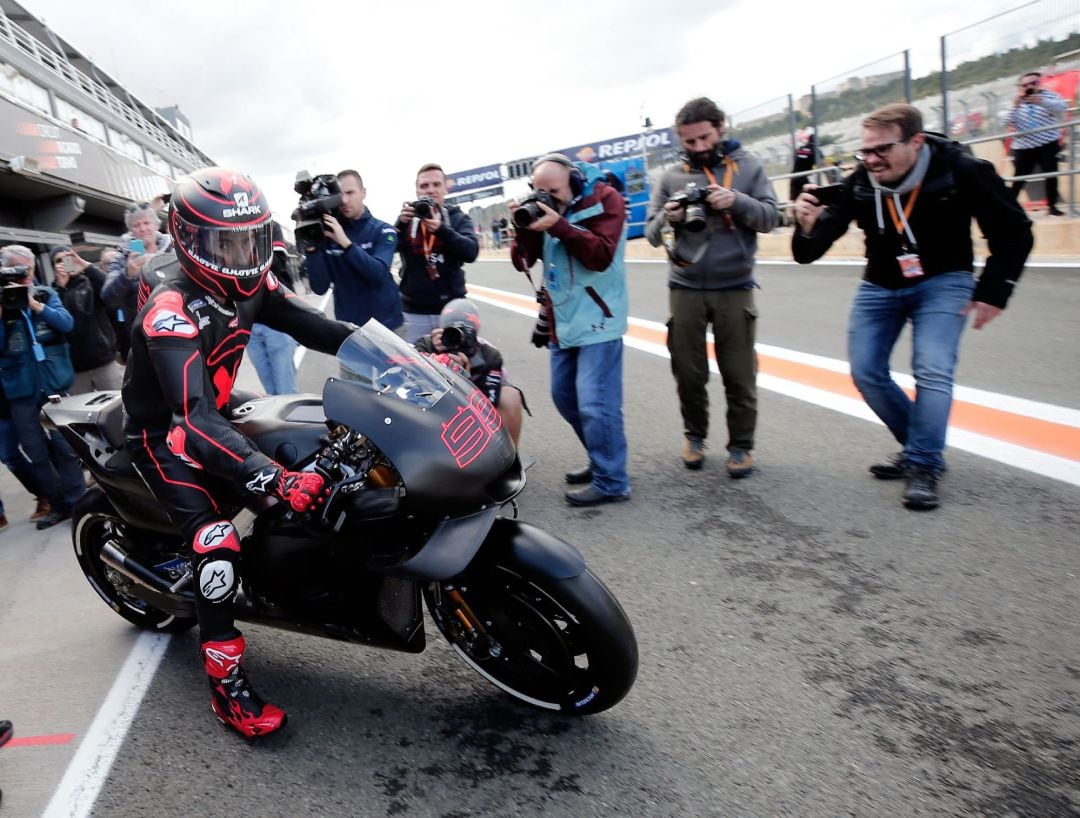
238 252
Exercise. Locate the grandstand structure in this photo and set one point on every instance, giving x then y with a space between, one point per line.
76 146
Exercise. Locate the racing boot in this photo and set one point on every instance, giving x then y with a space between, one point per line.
231 695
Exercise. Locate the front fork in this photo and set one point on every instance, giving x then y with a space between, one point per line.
465 627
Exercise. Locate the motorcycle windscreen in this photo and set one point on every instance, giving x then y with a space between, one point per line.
380 360
444 437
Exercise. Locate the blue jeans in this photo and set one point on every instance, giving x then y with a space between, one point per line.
586 386
878 315
272 356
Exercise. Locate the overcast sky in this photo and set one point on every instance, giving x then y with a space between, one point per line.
271 87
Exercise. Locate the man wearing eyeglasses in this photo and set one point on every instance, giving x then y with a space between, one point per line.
1036 107
914 196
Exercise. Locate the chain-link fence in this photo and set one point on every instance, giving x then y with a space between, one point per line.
981 63
768 131
836 106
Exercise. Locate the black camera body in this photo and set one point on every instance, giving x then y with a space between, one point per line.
530 211
14 295
460 337
319 196
694 200
424 207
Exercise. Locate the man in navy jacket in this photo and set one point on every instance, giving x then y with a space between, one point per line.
356 259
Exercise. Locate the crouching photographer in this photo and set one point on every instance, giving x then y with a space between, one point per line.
707 212
575 224
435 240
456 343
345 246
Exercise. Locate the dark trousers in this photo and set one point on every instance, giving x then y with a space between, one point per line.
53 465
733 318
1025 160
184 495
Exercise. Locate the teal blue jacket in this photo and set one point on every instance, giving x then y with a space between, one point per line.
584 264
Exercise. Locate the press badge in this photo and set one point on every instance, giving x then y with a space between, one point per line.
910 265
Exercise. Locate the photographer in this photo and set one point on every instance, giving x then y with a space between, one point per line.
576 225
707 212
355 257
914 195
1036 107
93 344
456 343
434 241
35 363
140 244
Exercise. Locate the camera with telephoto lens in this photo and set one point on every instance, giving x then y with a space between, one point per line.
459 337
319 196
541 333
14 295
424 207
693 199
530 211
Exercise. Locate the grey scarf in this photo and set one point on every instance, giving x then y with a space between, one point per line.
909 183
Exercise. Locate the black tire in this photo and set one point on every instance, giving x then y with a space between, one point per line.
94 521
563 644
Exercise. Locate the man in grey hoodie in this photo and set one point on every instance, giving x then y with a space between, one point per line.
710 235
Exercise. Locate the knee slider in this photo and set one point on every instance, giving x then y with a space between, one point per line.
217 549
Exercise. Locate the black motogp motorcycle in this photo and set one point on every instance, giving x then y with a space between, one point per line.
420 470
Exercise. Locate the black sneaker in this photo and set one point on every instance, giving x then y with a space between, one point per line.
893 468
921 491
55 515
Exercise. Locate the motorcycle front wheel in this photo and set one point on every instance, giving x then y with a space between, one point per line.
95 522
557 644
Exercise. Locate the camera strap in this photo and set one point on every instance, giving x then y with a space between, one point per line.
731 167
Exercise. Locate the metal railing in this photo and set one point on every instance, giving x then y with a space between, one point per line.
59 66
836 172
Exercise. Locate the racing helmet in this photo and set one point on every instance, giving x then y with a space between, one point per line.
222 228
460 311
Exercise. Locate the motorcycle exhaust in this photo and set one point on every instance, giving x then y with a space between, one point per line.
116 559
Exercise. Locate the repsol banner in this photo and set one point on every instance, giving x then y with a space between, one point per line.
471 179
622 147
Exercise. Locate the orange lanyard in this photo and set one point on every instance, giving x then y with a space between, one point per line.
728 174
897 223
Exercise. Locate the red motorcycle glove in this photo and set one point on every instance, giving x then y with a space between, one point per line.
302 490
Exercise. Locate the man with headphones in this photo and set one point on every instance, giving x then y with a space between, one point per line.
581 240
707 212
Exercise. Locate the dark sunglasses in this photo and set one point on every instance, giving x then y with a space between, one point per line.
135 208
880 151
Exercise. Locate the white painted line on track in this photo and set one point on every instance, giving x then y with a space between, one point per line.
89 768
86 773
839 262
1048 465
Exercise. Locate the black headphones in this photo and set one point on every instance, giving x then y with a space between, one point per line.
577 178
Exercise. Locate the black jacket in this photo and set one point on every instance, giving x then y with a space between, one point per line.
957 187
92 341
454 244
186 349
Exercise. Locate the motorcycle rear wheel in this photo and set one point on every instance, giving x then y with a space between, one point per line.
557 644
95 521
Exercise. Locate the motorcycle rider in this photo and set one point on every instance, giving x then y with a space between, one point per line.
186 346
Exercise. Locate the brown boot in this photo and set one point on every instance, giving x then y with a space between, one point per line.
44 509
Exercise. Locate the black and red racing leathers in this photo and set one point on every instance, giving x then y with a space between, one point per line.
186 348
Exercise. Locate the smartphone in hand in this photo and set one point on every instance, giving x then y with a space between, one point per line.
136 246
828 194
